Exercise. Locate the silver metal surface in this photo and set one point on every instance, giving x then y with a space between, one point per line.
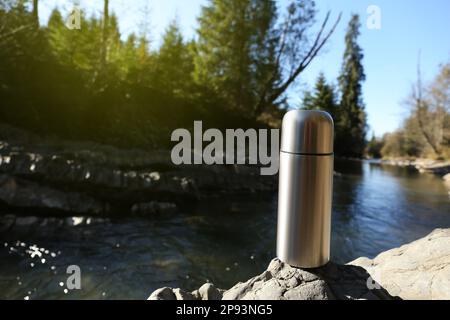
309 132
305 189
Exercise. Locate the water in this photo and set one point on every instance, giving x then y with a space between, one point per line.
221 240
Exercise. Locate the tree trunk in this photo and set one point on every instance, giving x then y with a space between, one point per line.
105 32
36 11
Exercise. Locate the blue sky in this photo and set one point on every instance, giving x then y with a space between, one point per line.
391 53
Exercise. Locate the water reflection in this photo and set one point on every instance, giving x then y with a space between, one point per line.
220 240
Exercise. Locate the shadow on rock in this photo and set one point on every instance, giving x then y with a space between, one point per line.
282 282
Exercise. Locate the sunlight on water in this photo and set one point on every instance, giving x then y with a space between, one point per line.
222 241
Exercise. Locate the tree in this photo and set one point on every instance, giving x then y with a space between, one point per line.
374 147
426 130
36 12
323 98
430 111
174 62
394 145
78 49
440 102
232 49
105 32
250 58
351 133
22 53
91 84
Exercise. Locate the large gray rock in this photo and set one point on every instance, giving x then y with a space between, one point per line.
419 270
283 282
206 292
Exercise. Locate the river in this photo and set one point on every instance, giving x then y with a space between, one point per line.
222 240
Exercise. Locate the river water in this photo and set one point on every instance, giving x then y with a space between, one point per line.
221 240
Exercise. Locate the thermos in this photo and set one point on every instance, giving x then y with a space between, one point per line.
305 189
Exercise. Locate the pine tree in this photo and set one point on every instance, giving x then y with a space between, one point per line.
78 49
233 49
36 12
351 133
323 98
374 147
105 26
249 58
174 62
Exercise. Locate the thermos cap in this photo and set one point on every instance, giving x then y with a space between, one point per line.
307 132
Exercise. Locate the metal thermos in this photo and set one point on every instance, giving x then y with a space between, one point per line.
305 189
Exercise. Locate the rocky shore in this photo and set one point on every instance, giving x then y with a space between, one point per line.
84 178
419 270
437 167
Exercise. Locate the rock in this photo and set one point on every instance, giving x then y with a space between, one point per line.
6 223
25 221
120 178
419 270
153 207
21 193
437 167
183 295
209 292
282 282
206 292
75 221
163 294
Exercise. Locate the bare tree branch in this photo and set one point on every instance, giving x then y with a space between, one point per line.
318 44
421 107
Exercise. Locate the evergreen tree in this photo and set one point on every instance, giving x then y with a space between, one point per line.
234 49
374 147
323 98
351 133
90 84
249 58
174 62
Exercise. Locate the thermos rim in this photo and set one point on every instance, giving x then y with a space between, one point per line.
308 154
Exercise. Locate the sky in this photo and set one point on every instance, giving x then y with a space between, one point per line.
408 29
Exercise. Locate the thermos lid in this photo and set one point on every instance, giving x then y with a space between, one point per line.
307 132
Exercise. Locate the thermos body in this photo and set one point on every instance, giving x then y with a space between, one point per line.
305 189
304 206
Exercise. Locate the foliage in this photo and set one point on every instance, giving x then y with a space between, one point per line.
351 132
348 113
426 131
374 147
95 84
323 98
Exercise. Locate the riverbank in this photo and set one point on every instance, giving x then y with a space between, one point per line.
223 240
438 167
419 270
66 178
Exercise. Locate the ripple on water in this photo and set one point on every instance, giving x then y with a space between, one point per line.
224 241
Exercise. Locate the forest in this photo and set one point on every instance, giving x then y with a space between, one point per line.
94 84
